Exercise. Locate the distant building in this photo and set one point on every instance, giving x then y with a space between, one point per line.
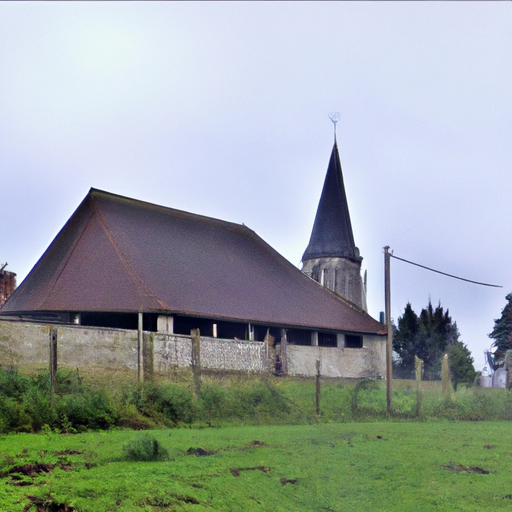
7 284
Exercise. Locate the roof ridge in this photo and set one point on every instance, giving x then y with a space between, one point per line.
147 204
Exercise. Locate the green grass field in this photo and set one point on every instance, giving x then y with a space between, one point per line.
378 466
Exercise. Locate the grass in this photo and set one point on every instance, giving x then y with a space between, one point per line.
249 443
379 466
79 405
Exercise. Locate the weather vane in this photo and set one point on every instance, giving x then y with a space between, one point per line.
334 117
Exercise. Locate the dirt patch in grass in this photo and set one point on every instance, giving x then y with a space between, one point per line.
18 474
459 468
170 501
46 505
200 452
285 481
31 470
68 452
236 471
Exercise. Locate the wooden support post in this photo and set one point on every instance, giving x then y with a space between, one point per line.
52 360
196 359
318 387
284 352
418 363
140 350
389 342
445 377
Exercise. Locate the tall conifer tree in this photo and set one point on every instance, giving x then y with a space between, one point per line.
426 336
502 332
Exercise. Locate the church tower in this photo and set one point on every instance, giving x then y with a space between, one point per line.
331 258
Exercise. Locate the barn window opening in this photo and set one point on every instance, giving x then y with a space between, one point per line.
353 341
298 337
184 324
109 320
327 339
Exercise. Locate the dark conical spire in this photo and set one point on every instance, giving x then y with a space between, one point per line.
332 232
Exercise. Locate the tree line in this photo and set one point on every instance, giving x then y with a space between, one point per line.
429 336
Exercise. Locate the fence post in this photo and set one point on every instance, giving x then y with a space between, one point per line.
52 359
445 376
418 363
318 387
140 350
196 359
284 352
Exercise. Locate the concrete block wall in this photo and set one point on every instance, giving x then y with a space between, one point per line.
24 346
111 351
335 362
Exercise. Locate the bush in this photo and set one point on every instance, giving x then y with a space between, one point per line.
215 401
40 408
167 404
176 404
259 401
144 448
87 409
13 416
12 384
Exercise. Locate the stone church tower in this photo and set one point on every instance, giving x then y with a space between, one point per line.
331 257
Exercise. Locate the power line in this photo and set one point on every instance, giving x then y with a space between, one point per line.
444 273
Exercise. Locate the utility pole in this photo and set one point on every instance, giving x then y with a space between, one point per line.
389 342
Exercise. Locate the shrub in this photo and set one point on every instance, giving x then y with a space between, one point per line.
39 407
129 417
167 404
215 401
87 409
13 416
144 448
259 401
176 404
12 384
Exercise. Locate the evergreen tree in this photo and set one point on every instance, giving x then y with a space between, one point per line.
426 336
462 370
403 340
502 332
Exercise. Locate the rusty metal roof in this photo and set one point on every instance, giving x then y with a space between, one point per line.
122 255
332 234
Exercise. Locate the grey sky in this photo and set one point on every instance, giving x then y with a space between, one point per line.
221 109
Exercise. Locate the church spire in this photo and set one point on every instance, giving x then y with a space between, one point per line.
331 257
332 231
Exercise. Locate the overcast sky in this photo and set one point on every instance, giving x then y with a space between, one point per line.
222 109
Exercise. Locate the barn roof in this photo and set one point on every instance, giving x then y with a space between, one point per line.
332 231
117 254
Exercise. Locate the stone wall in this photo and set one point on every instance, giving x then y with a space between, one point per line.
341 275
248 356
105 352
